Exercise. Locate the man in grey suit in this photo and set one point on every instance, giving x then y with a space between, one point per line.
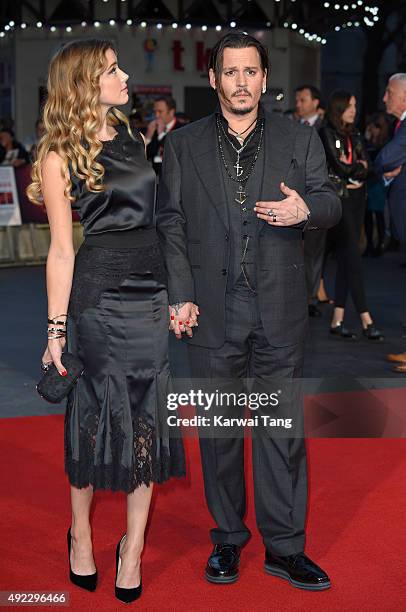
237 190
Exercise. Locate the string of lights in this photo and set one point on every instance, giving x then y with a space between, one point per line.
355 14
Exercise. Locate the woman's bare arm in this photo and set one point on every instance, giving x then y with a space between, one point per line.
61 255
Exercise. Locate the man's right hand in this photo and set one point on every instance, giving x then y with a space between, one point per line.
183 316
393 173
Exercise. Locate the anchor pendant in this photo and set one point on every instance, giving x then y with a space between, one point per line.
241 195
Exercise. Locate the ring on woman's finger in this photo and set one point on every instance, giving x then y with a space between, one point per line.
274 218
45 366
270 212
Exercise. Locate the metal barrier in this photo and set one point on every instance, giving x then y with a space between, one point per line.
29 243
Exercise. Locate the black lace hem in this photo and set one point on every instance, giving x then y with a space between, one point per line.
109 477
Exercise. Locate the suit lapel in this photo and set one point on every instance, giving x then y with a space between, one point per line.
279 151
206 159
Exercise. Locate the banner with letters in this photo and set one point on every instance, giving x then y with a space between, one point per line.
9 202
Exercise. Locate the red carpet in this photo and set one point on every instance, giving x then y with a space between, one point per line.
356 530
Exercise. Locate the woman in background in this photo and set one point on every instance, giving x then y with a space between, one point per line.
110 303
348 168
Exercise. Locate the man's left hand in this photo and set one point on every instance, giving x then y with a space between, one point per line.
290 211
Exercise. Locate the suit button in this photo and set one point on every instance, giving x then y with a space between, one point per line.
227 237
224 271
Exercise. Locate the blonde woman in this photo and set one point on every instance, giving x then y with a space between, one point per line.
109 304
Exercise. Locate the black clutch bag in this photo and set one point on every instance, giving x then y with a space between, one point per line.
53 387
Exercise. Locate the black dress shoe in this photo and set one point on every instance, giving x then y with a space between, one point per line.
314 311
372 333
222 566
341 332
127 595
299 570
89 581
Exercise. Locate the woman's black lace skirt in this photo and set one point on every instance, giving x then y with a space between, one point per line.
116 435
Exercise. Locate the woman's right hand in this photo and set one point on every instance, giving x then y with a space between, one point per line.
53 354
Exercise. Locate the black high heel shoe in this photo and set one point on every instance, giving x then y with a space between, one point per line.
341 332
372 333
122 593
89 581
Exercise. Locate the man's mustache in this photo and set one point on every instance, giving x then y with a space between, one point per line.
241 91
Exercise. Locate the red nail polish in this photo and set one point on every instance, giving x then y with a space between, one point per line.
187 322
172 317
64 373
180 323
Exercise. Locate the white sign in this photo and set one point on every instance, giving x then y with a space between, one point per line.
9 204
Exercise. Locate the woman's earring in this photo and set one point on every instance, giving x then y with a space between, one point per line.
264 89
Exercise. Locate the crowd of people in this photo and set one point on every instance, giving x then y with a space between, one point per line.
215 256
366 225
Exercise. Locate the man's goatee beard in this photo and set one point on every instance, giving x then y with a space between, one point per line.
241 111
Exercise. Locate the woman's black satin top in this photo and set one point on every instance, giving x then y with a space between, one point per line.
128 200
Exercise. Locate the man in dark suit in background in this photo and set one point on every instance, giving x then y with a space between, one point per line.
237 189
307 106
165 121
391 163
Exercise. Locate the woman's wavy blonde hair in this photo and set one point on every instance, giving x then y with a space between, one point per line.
72 116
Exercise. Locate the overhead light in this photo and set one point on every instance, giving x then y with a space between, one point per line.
143 24
232 24
218 28
112 22
83 24
53 29
129 22
23 26
175 25
69 29
39 24
188 26
204 28
96 24
11 24
159 26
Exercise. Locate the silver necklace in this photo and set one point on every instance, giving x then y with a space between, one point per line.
239 134
241 194
239 170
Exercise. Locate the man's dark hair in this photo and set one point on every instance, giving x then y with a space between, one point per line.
169 101
8 131
236 40
314 92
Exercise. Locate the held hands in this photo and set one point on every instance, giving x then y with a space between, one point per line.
183 316
290 211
